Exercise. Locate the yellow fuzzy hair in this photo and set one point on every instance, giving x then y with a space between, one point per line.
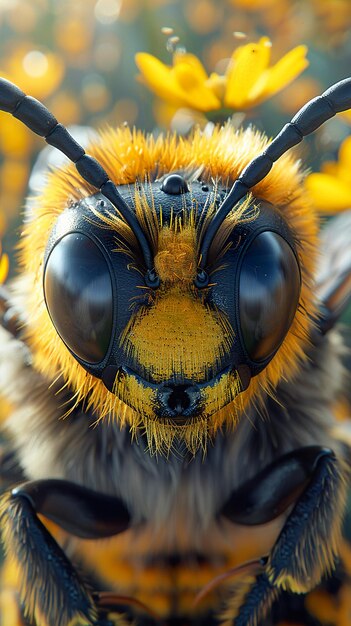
128 155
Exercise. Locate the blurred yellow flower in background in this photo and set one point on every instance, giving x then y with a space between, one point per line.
38 72
248 80
35 70
4 265
330 189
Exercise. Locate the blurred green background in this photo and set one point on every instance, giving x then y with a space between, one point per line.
78 57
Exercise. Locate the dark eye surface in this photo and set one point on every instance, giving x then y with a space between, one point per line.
78 295
269 289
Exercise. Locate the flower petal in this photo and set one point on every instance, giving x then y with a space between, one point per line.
191 60
328 194
182 85
158 77
345 153
285 70
195 92
343 173
330 167
342 167
4 267
247 66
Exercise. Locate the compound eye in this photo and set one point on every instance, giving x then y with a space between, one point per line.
78 295
269 290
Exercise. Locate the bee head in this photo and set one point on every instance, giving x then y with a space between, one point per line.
179 360
171 299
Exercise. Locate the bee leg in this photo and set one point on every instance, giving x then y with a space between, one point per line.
305 549
50 589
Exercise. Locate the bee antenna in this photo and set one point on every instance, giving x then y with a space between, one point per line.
310 117
39 119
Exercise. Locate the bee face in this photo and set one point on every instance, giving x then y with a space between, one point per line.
177 359
191 346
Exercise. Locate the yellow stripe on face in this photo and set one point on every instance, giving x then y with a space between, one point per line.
177 336
219 398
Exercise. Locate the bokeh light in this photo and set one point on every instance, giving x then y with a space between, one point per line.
107 11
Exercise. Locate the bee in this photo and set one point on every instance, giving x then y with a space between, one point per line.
171 365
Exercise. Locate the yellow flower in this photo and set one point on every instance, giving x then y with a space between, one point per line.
248 80
184 84
330 189
4 265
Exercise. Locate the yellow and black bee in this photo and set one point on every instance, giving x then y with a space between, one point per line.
172 370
